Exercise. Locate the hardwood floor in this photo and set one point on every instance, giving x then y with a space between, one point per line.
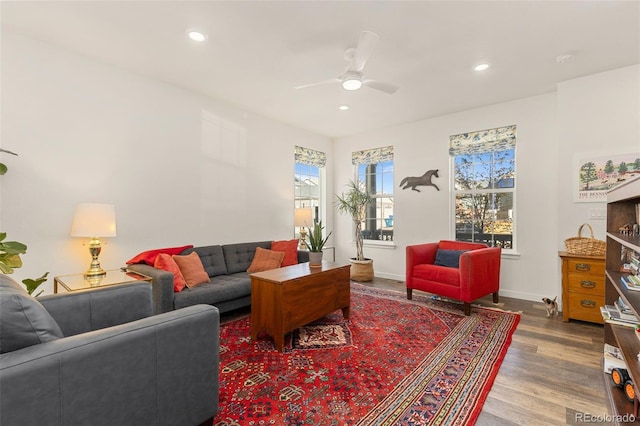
551 374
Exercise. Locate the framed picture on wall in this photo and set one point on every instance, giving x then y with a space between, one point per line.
596 173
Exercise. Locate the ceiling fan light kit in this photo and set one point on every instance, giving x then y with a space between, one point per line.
352 83
353 77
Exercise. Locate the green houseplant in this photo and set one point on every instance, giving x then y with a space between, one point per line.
354 202
10 251
316 242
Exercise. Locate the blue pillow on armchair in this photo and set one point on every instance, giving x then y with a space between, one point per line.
448 258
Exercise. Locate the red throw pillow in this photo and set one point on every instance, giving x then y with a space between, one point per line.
192 269
265 260
165 262
149 256
290 249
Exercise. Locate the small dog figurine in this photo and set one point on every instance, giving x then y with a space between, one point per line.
551 306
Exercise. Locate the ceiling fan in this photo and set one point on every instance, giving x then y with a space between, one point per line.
353 77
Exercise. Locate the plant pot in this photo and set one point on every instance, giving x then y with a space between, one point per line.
361 270
315 259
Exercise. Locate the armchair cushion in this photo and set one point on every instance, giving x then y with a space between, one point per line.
449 258
23 320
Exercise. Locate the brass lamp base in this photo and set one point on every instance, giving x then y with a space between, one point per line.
94 271
303 239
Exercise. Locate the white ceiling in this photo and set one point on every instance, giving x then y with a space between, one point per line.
257 51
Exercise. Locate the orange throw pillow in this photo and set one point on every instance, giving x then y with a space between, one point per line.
192 269
166 263
290 249
265 260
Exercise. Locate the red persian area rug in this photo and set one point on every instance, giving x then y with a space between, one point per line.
394 362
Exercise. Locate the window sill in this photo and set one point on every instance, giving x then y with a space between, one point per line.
379 244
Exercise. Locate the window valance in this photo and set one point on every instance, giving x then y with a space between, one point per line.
310 157
372 156
497 139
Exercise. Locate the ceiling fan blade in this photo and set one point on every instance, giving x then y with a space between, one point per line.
382 86
366 45
320 83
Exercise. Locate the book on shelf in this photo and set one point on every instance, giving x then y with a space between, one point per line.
624 311
631 282
611 315
612 358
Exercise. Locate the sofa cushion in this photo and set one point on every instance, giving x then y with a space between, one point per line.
220 289
439 274
290 249
238 257
448 258
149 256
166 263
265 260
23 320
191 268
212 258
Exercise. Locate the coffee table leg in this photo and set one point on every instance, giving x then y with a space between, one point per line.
345 312
278 339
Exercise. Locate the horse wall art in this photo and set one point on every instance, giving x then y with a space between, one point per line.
424 180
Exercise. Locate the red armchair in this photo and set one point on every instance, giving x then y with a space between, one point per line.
477 274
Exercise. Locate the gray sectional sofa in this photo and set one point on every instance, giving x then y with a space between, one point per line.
99 357
229 287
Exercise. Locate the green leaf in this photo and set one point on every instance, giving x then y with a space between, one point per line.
32 285
3 169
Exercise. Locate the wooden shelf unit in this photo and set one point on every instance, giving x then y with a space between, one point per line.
621 202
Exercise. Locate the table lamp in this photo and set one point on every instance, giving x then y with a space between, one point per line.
94 221
301 219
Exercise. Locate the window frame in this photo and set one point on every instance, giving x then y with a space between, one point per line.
377 157
492 146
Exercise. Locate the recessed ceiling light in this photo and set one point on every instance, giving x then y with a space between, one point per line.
196 35
343 107
481 67
563 58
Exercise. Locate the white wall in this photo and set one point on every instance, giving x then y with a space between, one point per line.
86 132
597 114
426 216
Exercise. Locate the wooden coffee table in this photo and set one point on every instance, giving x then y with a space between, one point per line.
285 299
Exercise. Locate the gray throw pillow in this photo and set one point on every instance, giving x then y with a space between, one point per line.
23 320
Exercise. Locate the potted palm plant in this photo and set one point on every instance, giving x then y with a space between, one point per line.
354 202
315 241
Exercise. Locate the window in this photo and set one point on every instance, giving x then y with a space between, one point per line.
484 183
309 181
374 169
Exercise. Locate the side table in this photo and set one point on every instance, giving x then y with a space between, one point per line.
77 282
582 287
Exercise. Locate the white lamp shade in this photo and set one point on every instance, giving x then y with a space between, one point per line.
302 217
94 220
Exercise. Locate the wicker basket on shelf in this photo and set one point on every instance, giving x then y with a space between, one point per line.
584 245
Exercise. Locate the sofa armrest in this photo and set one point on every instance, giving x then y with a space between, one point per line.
100 307
416 255
160 370
162 286
480 272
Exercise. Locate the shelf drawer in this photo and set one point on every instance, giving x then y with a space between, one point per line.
582 283
585 266
586 307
